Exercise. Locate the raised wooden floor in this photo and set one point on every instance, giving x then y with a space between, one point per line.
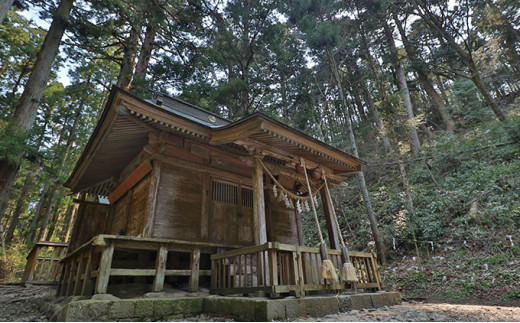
271 268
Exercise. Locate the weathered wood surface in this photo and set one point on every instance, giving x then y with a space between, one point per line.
160 268
104 270
130 181
42 266
289 269
259 222
179 204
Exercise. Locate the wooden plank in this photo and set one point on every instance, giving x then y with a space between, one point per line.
130 181
214 273
104 270
204 213
42 262
300 281
241 251
241 290
61 281
152 198
259 224
160 267
86 289
72 270
194 267
77 286
30 266
273 267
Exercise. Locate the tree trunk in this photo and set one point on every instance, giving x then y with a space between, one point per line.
477 80
32 228
366 198
438 26
373 110
27 108
5 6
71 216
68 147
403 89
19 204
435 98
409 201
124 80
146 51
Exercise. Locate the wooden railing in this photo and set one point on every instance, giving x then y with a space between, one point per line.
276 268
43 265
87 270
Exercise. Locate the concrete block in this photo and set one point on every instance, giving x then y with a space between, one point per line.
361 301
345 304
162 308
321 306
121 309
216 305
274 310
98 310
295 308
383 299
143 308
243 309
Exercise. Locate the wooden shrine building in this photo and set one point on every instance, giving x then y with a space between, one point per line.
174 195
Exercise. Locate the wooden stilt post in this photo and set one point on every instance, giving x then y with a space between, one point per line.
160 267
104 270
86 289
194 267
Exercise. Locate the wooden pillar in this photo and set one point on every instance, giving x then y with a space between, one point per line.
194 267
104 270
160 268
259 224
329 217
152 198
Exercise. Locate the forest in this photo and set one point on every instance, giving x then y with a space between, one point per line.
427 92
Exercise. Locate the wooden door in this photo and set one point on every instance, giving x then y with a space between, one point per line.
231 213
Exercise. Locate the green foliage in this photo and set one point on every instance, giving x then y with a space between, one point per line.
12 145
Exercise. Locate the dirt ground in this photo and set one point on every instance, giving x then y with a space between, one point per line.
22 304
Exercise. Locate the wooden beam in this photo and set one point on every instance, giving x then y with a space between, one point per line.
194 267
240 131
329 218
130 181
259 224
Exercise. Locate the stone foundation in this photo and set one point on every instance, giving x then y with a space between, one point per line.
241 308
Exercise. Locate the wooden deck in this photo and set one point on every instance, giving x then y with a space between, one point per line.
272 268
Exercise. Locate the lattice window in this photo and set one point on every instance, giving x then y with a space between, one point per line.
224 192
247 197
